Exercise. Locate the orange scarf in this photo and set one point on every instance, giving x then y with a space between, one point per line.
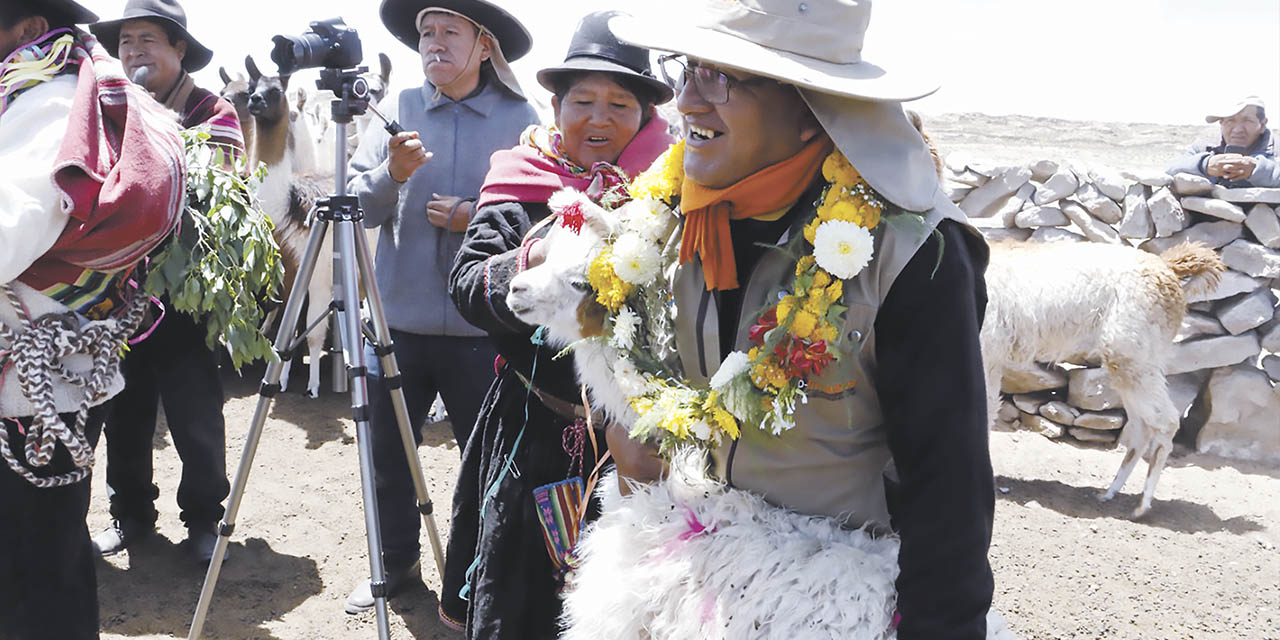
708 211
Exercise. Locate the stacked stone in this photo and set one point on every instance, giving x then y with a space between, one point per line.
1225 360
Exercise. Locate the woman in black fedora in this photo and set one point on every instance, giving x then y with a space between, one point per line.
501 579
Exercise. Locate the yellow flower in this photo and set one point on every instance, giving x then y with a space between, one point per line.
820 279
835 290
846 211
804 264
767 373
870 216
804 323
836 169
678 423
817 302
662 181
642 405
726 422
785 307
827 332
811 229
611 291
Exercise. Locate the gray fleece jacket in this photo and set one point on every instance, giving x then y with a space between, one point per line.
414 257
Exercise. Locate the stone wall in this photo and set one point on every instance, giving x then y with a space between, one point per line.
1225 368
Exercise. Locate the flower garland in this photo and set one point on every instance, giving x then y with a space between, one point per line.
794 340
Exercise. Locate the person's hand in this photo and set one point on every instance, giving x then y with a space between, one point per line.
1219 165
636 460
1241 168
406 155
439 208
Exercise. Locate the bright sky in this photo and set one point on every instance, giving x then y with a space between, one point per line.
1165 61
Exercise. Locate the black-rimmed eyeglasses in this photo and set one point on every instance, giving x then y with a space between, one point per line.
712 84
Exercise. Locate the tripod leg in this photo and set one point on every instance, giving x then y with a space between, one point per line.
391 373
270 387
346 236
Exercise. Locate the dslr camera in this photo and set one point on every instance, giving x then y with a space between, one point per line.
330 44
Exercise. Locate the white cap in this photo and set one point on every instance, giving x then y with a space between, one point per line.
1231 110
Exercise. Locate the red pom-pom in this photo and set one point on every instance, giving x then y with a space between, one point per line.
572 217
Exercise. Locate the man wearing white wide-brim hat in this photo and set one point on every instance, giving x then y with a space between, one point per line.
895 436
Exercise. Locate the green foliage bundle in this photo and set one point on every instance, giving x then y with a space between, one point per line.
224 260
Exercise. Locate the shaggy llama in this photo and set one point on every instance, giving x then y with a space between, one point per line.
667 561
287 193
1093 302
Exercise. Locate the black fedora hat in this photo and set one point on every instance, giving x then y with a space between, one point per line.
166 11
595 48
73 11
400 18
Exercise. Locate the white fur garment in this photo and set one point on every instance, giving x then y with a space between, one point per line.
689 558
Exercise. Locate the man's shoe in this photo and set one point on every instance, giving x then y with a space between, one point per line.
120 535
201 541
361 598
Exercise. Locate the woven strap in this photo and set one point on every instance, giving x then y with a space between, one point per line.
37 353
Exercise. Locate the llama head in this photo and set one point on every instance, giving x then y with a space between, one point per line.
379 82
268 98
556 293
236 91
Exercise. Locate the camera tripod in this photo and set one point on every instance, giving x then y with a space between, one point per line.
353 267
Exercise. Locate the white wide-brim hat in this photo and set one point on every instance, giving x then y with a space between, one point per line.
815 45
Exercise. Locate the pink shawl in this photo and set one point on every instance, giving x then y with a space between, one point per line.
527 173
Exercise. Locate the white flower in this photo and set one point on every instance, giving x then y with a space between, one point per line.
649 218
624 329
842 248
628 378
701 430
734 364
635 259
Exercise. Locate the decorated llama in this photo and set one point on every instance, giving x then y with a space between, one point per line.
557 295
678 546
287 193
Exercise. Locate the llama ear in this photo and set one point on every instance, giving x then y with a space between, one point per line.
252 68
385 64
576 210
222 73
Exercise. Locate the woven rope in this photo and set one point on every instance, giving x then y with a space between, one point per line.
37 354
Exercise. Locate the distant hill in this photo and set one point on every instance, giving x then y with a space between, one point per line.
1020 139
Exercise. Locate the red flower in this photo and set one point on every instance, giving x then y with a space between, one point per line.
766 323
572 217
800 358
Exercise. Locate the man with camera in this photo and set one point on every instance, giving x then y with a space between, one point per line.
92 182
1245 156
173 365
420 187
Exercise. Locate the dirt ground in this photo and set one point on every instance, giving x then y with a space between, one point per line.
1203 564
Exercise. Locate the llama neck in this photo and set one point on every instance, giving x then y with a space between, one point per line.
274 141
592 358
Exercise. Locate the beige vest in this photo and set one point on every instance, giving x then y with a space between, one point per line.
833 463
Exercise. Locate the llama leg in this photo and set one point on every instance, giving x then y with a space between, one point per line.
315 348
284 373
994 374
1126 468
1155 466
